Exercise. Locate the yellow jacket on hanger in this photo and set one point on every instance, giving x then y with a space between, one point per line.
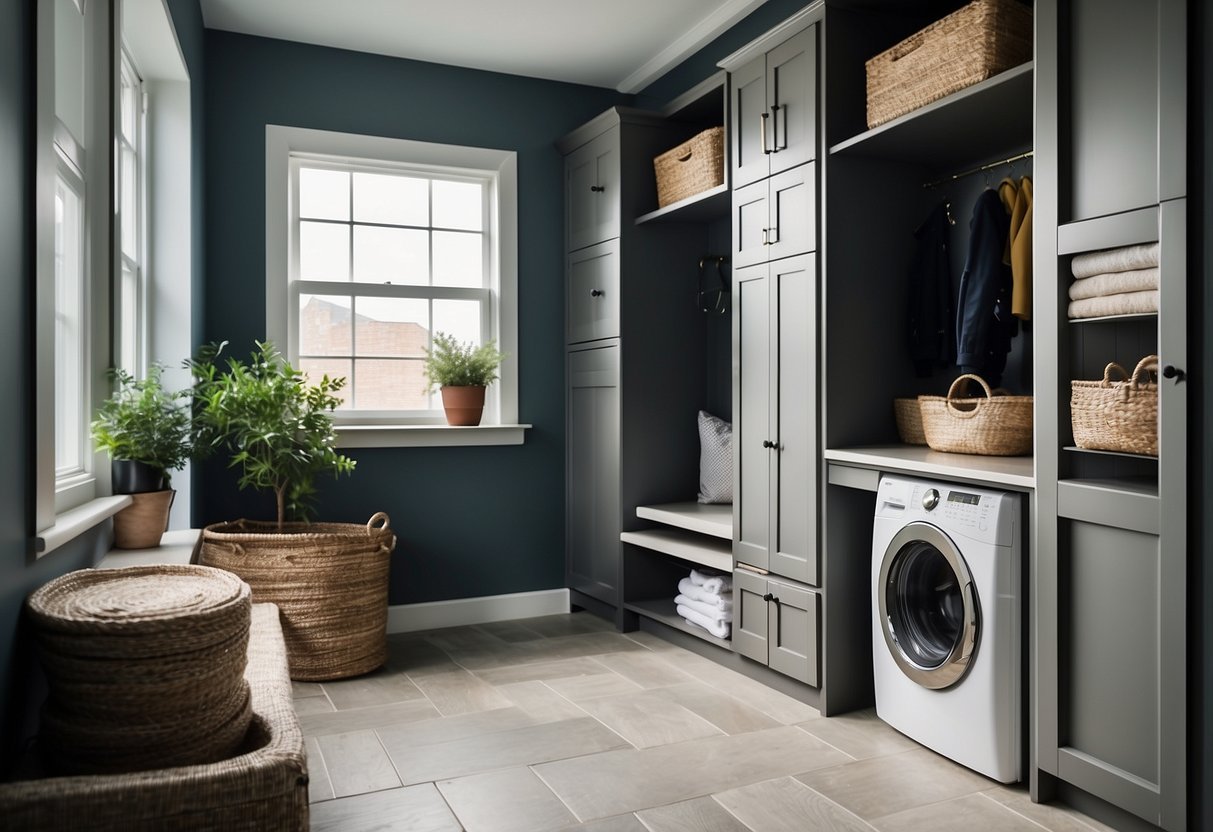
1018 201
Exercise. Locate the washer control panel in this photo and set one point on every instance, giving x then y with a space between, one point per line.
967 510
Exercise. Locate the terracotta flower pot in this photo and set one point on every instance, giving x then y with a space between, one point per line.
141 525
463 405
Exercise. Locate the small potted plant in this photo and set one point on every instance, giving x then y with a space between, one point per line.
145 429
463 371
329 580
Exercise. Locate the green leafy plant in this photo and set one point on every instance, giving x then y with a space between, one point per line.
143 422
275 426
449 363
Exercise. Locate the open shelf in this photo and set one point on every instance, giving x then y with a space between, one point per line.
710 519
1103 318
1077 450
1016 472
704 206
693 548
996 113
662 609
1122 503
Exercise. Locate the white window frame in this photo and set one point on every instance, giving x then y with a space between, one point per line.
136 364
499 169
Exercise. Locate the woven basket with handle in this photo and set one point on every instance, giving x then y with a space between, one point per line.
692 167
993 425
329 580
974 43
1118 414
908 414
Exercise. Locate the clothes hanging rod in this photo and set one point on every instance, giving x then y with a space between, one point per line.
978 169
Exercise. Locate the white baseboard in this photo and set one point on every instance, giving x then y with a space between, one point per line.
433 615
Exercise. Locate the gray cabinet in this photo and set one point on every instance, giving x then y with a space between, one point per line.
592 183
1111 558
776 217
593 472
773 113
776 622
775 443
593 292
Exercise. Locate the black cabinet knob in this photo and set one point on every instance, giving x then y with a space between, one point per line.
767 597
597 188
595 293
767 443
1171 371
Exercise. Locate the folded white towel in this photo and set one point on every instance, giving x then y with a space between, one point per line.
1115 260
719 600
1128 303
1114 283
713 612
720 629
712 581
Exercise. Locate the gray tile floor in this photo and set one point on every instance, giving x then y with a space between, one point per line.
562 723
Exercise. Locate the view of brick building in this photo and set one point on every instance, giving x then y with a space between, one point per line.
387 373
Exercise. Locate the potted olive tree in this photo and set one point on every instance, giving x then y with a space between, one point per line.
145 429
463 371
329 580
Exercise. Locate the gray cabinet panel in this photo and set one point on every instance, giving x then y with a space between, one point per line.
751 224
748 124
752 416
593 292
792 201
593 473
792 97
793 614
794 547
750 617
592 198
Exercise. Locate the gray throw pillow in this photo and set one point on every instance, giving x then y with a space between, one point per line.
715 459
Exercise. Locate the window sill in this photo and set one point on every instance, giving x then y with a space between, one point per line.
175 547
428 436
71 524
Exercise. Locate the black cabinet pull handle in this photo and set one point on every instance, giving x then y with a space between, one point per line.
596 293
1171 371
597 188
767 597
767 443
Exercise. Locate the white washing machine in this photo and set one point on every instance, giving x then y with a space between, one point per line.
946 620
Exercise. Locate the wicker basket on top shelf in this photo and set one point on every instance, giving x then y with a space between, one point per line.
1118 415
974 43
695 166
908 415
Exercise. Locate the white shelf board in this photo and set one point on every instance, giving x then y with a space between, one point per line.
661 609
1017 472
695 548
713 519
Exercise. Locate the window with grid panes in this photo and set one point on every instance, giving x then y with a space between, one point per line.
382 258
129 291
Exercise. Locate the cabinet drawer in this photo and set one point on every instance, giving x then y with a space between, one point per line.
593 293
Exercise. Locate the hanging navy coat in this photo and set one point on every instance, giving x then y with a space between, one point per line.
932 343
984 323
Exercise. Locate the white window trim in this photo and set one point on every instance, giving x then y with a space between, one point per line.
280 143
65 508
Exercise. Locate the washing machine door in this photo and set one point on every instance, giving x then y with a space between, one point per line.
928 606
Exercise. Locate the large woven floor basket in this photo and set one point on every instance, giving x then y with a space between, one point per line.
1118 414
996 425
974 43
145 667
330 581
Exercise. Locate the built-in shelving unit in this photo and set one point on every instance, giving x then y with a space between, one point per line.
705 206
691 547
1014 472
715 519
663 611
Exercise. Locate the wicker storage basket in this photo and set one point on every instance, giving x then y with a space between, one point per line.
973 43
909 421
330 581
145 667
1118 415
692 167
993 425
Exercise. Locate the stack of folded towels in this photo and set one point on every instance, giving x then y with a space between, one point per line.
1118 281
705 599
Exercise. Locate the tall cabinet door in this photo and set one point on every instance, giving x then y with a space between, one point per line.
593 473
592 178
792 101
793 547
752 438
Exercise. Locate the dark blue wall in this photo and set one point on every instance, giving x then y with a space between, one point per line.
471 521
21 683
